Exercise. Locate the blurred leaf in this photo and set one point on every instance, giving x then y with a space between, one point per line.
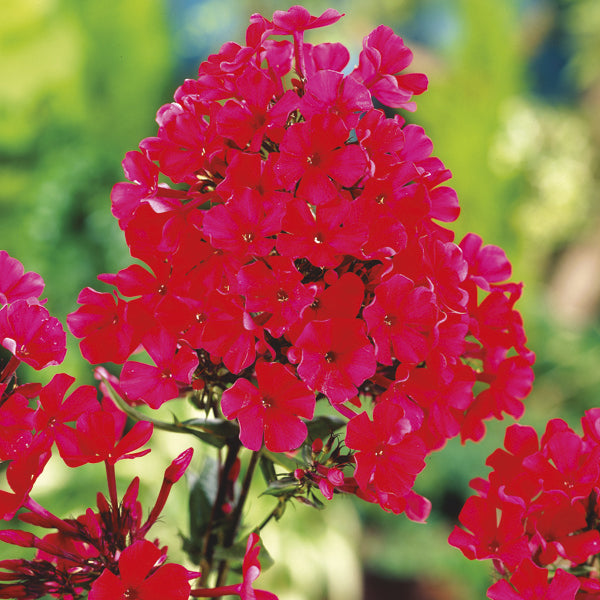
285 486
323 426
215 432
203 489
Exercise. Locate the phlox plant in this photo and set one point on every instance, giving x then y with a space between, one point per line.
295 281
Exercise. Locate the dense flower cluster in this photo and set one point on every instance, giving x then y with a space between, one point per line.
290 249
537 516
300 257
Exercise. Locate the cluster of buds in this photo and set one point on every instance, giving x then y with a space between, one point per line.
537 516
295 252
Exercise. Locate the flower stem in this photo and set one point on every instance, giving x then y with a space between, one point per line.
236 516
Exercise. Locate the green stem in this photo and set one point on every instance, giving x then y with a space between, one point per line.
211 538
236 516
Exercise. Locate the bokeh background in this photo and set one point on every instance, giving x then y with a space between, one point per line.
513 109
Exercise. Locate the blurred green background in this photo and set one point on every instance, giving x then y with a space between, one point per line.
513 109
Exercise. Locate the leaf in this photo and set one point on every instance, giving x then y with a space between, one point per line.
290 464
203 488
215 432
323 426
282 487
268 469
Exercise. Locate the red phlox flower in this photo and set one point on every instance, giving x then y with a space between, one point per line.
322 238
530 582
142 575
331 56
15 284
251 171
16 425
21 474
98 437
245 225
142 186
297 19
29 332
487 264
315 154
181 145
382 58
154 385
388 455
444 392
279 55
401 320
501 538
54 410
336 357
508 469
330 92
383 139
342 299
272 411
448 270
559 527
229 333
249 120
160 296
101 322
275 288
496 323
564 464
510 381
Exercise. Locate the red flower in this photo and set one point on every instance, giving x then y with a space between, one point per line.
336 357
383 56
274 287
388 456
139 577
54 410
99 437
100 321
401 320
273 410
530 582
15 284
31 334
314 153
244 225
154 385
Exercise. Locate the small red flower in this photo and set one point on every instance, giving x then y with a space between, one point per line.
272 411
336 358
141 577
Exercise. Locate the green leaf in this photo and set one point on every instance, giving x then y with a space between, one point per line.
282 487
290 464
203 488
215 432
268 469
323 426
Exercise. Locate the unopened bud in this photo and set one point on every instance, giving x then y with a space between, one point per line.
177 468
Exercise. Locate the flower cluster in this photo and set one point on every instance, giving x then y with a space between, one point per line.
537 516
104 551
291 249
293 252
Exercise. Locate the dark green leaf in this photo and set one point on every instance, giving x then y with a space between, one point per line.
323 426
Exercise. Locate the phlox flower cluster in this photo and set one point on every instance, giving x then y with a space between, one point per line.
537 515
292 250
294 275
103 551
